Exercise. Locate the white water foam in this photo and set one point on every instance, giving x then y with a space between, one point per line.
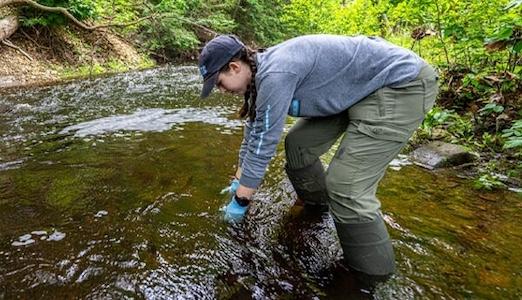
11 165
101 213
155 119
400 161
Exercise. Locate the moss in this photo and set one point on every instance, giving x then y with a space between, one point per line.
113 65
64 191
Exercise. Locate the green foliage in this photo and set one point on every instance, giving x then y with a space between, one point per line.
336 17
474 83
118 12
435 117
458 28
360 17
180 24
174 30
302 16
111 66
491 108
488 182
463 26
508 35
490 141
514 4
516 171
80 9
513 135
168 31
458 128
259 20
461 130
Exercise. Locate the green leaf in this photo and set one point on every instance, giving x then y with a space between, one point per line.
504 34
491 107
517 48
513 143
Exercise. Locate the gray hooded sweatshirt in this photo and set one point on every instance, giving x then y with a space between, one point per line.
314 76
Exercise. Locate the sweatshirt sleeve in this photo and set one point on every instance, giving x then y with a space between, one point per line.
244 144
274 95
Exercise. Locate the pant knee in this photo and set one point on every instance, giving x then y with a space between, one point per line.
294 152
291 142
351 201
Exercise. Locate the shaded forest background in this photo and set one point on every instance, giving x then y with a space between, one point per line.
476 45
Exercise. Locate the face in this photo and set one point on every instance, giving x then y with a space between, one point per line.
236 79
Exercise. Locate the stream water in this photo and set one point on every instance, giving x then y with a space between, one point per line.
109 188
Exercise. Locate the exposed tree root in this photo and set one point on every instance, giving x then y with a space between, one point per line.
9 44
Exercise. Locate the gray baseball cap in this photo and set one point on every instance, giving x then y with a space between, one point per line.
214 56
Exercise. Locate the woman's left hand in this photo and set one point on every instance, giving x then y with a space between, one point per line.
245 192
235 211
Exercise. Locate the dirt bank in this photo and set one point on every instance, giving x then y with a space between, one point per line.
46 55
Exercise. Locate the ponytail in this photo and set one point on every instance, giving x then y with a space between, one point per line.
248 56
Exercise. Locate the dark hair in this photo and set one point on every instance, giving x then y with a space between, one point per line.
247 56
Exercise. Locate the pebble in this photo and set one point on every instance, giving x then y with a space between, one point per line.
24 237
56 236
39 232
22 243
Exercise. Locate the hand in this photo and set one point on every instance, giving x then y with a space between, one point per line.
245 192
234 184
236 209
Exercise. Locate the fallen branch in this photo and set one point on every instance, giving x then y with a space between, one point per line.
66 13
9 44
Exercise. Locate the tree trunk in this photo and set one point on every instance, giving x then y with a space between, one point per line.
8 22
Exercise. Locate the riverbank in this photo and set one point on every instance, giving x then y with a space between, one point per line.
47 55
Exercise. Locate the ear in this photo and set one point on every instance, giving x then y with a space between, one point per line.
235 66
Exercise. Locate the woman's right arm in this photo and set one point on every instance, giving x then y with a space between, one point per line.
244 147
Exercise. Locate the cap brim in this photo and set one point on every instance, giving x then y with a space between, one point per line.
208 85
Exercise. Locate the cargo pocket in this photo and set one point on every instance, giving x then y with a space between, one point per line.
372 144
383 132
431 89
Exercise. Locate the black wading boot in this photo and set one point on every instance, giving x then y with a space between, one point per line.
310 187
367 251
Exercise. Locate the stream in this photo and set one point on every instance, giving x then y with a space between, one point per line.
109 189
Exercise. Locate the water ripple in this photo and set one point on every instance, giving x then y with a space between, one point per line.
155 119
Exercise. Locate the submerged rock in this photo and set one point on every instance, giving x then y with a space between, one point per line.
23 240
56 236
439 154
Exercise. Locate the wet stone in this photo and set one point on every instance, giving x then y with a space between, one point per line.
56 236
439 155
24 237
39 232
23 240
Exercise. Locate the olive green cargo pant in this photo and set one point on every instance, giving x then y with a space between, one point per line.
375 130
